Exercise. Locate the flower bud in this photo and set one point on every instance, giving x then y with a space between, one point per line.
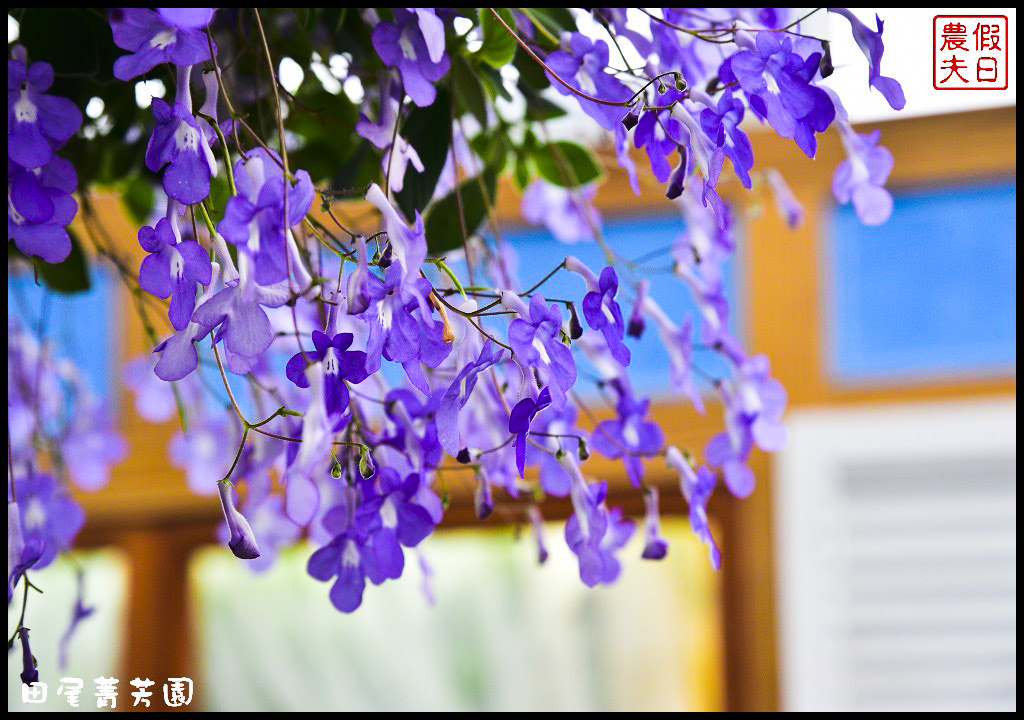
575 329
242 540
366 467
29 673
677 182
483 501
825 67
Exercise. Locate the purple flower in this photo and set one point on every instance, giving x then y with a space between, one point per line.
172 36
309 464
655 546
408 244
178 142
92 446
393 518
629 436
603 313
242 541
178 355
195 18
458 394
394 331
173 269
584 67
270 523
519 420
660 135
697 488
40 207
415 46
797 109
21 555
754 405
722 125
535 338
49 517
569 214
80 612
343 558
862 176
870 44
37 123
339 365
254 219
244 325
29 673
369 535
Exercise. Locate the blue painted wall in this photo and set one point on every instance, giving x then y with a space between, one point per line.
931 294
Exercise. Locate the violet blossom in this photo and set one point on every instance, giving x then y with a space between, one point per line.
415 46
173 35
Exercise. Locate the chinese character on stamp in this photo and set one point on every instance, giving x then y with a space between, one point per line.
970 52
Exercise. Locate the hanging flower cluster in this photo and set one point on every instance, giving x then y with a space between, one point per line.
382 358
39 182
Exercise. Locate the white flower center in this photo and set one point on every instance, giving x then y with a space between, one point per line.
186 138
607 312
388 514
407 49
350 557
25 109
541 350
330 362
162 39
630 433
177 265
384 312
35 514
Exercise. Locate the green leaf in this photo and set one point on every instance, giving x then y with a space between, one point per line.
427 129
522 172
70 276
499 47
139 197
555 20
444 231
567 164
469 93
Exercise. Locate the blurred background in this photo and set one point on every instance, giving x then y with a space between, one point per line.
873 568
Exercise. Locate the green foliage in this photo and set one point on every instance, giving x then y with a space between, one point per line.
567 164
68 277
429 131
499 47
443 227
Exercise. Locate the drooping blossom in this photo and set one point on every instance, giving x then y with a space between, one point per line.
870 43
172 269
584 64
414 44
254 218
242 541
40 208
697 488
173 35
629 437
37 123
